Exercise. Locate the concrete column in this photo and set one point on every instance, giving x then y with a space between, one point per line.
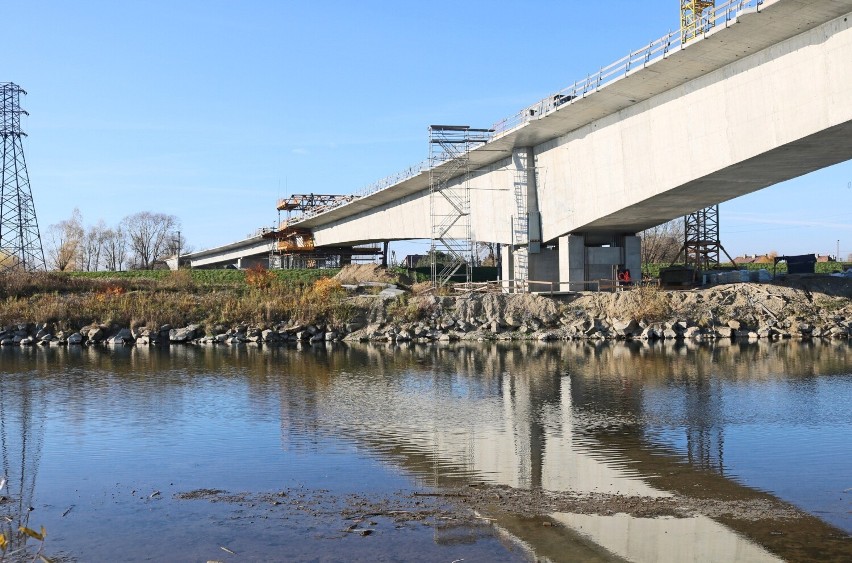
523 159
572 262
507 263
544 267
533 212
633 256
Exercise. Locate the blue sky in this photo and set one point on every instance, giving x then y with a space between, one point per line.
212 110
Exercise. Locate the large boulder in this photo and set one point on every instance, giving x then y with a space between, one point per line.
93 333
183 334
626 328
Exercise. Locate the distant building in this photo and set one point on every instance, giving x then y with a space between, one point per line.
754 259
825 258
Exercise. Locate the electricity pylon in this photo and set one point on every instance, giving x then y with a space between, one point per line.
20 241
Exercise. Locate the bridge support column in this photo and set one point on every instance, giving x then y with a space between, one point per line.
507 267
544 270
633 256
572 262
579 263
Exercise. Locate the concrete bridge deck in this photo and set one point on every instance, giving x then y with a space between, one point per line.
744 44
764 96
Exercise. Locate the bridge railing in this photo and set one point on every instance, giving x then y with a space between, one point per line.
394 179
722 15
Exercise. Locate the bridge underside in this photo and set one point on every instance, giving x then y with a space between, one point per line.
817 151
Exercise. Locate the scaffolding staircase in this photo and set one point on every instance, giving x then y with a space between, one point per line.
451 249
520 234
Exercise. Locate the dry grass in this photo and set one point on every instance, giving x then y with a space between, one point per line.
647 303
176 299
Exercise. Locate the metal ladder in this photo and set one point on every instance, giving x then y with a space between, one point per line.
520 236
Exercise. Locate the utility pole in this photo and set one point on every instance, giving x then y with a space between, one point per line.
20 241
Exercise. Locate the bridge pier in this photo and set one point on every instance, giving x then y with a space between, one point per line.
587 258
572 262
576 260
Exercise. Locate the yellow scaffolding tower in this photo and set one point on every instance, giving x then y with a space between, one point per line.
691 12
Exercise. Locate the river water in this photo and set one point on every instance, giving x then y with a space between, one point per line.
341 453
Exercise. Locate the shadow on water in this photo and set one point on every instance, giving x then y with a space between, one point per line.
634 419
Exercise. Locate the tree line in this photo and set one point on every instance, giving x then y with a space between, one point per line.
136 242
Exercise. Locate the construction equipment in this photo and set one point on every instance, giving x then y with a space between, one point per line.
312 204
294 246
693 19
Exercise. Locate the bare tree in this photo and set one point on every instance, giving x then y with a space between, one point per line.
149 235
92 247
65 241
485 254
115 249
177 245
661 244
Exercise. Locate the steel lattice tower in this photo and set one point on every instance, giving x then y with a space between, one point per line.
20 241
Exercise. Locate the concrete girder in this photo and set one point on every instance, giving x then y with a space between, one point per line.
635 154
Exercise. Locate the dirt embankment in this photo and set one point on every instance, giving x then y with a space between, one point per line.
378 305
797 307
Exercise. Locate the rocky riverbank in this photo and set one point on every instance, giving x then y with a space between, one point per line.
817 307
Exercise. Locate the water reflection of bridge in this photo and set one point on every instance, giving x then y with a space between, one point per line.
558 418
552 416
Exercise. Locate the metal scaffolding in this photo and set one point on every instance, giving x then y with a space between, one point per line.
693 19
449 201
701 245
20 241
520 224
